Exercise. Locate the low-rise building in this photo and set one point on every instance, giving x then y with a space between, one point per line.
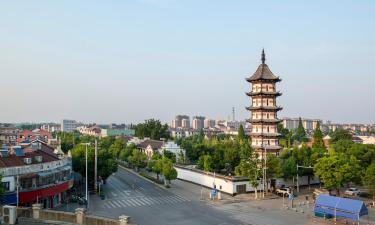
149 147
51 127
117 132
32 135
34 174
90 130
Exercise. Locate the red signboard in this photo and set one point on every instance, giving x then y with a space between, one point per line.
30 196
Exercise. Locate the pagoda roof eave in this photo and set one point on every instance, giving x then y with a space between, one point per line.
264 108
263 93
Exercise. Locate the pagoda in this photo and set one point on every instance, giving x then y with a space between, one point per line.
264 134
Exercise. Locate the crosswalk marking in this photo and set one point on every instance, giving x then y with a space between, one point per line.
174 199
111 204
116 203
143 201
133 202
148 201
125 203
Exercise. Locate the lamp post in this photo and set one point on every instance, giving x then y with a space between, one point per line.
87 193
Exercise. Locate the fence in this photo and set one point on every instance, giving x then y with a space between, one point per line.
79 217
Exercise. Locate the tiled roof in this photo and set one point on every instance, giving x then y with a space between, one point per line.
263 73
12 160
154 144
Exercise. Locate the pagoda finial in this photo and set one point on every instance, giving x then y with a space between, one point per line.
263 57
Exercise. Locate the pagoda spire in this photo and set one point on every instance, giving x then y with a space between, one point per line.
263 57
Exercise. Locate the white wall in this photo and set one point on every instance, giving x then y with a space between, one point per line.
228 185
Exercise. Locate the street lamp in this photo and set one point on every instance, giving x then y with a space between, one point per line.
87 194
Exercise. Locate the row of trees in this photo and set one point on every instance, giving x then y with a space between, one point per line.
219 154
161 165
345 162
108 147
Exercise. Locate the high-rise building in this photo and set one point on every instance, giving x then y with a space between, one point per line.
185 123
209 123
264 135
177 121
198 122
69 125
308 124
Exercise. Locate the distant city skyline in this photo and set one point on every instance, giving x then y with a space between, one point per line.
129 61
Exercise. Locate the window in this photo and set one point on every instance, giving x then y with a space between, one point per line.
6 186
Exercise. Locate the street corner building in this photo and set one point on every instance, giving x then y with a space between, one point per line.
35 173
264 134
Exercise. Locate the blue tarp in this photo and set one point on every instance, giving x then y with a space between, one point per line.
340 207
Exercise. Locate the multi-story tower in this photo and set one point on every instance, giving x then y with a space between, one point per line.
264 134
198 122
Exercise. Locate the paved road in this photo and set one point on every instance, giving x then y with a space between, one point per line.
149 204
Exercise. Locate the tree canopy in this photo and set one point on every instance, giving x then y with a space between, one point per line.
152 129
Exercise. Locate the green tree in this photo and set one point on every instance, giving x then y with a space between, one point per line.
138 159
205 163
155 164
168 171
241 133
337 169
289 168
340 134
300 134
152 129
170 155
249 168
318 137
369 180
106 164
127 151
117 147
274 167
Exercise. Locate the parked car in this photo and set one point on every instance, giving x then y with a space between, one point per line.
283 191
353 191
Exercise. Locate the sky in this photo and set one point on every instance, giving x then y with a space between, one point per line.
127 61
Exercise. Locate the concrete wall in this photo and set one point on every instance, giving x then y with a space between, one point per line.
229 184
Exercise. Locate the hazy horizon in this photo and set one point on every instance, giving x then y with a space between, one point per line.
127 61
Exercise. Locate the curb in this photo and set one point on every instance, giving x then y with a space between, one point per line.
144 178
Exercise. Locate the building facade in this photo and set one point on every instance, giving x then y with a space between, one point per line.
264 135
34 174
209 123
198 122
69 125
177 122
308 124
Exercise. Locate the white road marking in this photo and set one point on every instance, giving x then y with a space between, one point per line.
116 203
111 204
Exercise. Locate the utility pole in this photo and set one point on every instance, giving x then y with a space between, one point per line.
18 190
96 166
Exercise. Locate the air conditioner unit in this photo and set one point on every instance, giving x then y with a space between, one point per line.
9 214
27 160
39 158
